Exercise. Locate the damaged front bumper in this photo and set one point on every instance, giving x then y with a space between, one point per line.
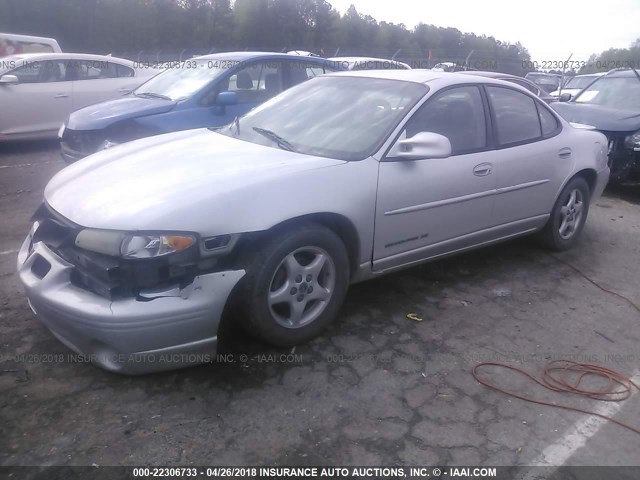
624 161
157 330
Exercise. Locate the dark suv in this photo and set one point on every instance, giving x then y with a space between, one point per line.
611 104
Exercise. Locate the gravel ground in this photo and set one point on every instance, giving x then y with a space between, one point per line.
376 389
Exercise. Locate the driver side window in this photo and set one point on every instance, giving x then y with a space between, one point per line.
456 113
257 82
41 72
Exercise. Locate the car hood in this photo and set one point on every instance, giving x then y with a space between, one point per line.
572 91
101 115
603 118
177 181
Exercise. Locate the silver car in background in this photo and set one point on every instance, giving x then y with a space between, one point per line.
138 250
38 91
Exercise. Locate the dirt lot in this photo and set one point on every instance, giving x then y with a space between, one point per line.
377 388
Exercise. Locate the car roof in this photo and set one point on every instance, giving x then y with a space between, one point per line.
243 56
626 72
34 57
597 74
424 76
544 74
489 74
361 59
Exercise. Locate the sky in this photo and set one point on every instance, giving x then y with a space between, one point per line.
551 30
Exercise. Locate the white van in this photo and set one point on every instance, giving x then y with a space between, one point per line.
11 44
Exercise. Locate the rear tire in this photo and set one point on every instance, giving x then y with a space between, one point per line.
568 216
295 284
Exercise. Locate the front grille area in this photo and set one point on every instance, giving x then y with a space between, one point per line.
623 161
111 277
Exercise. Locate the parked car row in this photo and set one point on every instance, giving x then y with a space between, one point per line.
575 85
209 91
175 101
611 104
140 250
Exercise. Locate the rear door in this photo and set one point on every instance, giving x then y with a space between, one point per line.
96 81
530 160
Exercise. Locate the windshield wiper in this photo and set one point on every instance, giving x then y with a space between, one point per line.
152 95
281 142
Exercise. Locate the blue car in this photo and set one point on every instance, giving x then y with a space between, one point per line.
207 91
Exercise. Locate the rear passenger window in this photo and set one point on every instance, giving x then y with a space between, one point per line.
124 71
456 113
93 69
547 120
516 116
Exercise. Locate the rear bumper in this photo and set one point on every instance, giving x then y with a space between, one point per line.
601 182
166 330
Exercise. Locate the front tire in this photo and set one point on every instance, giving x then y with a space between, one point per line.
568 216
295 284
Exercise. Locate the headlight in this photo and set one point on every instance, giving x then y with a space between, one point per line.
61 131
130 245
633 141
145 246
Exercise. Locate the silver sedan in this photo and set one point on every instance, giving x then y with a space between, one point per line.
138 250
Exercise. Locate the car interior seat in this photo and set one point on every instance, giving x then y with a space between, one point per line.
245 90
51 72
244 81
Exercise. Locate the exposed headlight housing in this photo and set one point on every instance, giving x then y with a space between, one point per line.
133 245
633 141
146 246
107 144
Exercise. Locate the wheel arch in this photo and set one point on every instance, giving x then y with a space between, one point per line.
590 175
338 224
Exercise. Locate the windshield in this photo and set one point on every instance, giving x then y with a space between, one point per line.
346 118
580 82
183 79
614 92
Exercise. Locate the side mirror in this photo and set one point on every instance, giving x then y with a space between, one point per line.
565 97
9 79
226 98
421 146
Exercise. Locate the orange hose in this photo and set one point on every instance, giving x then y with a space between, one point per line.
557 378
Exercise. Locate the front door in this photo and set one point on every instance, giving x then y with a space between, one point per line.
39 102
429 207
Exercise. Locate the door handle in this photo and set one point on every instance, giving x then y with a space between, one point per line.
482 170
564 152
61 95
124 90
